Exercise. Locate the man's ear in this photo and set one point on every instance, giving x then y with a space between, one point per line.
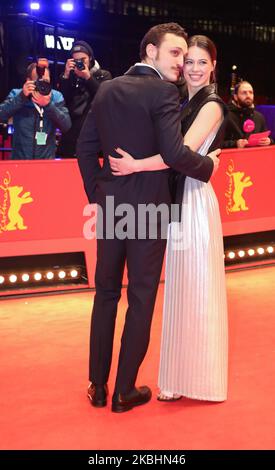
151 51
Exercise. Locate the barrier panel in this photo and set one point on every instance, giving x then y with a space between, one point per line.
42 202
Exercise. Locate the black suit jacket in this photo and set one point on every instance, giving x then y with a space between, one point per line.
140 113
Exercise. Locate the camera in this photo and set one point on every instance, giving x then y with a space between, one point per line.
79 64
42 86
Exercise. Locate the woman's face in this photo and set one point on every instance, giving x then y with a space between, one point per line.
197 67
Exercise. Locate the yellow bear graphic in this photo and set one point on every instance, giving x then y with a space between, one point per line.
15 219
239 185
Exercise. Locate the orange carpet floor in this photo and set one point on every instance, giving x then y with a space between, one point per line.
44 368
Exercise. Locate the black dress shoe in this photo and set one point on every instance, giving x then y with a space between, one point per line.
126 401
97 394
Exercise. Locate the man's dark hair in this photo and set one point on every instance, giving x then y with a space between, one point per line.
237 86
30 68
156 33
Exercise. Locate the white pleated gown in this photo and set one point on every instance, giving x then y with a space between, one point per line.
194 346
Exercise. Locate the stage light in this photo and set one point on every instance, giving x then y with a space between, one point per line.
10 129
254 256
260 251
61 274
35 273
68 6
50 275
35 6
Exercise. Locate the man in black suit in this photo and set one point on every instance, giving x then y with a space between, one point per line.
139 112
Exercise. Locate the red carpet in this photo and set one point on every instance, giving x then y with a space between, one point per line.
44 356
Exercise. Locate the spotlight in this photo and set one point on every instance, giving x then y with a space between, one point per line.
231 255
13 278
270 249
68 6
241 253
61 274
2 280
74 273
10 129
260 251
50 275
251 252
35 6
38 276
25 277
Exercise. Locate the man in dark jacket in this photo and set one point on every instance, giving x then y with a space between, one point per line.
79 84
35 118
242 119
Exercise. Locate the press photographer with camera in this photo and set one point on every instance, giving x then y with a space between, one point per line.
37 111
79 83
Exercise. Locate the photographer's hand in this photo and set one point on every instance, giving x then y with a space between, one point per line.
70 65
41 100
85 74
28 87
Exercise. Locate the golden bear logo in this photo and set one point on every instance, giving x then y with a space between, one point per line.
234 194
239 184
10 205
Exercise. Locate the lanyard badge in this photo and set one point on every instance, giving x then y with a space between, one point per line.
40 136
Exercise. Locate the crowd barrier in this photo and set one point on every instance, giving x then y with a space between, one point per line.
42 203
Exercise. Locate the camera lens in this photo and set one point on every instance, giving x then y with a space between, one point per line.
79 64
43 87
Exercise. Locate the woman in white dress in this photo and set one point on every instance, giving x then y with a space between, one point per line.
194 346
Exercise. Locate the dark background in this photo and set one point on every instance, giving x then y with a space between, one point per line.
244 33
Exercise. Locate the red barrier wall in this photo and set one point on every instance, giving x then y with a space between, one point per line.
42 202
243 186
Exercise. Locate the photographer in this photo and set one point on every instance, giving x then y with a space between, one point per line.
242 119
79 84
37 111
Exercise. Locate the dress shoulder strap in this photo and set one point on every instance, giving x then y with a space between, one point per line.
192 107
